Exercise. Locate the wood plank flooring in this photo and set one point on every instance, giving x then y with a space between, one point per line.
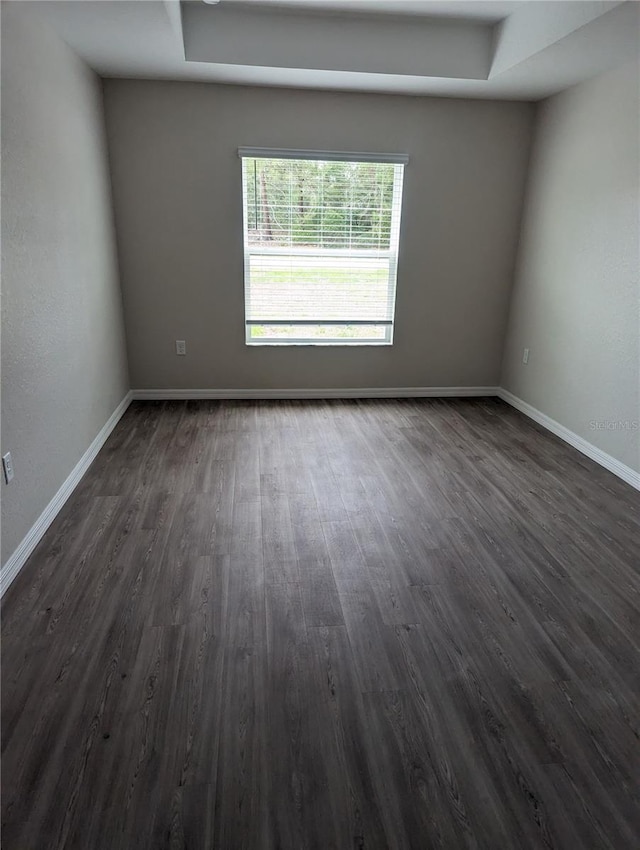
339 624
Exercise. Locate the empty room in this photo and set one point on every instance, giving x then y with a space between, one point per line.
320 425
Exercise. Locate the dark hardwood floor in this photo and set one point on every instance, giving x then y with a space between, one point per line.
364 624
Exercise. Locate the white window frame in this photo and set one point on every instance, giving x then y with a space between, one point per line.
392 254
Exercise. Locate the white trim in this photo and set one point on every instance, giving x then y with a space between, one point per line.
626 473
15 563
355 392
340 156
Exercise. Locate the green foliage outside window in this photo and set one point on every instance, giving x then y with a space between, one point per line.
307 203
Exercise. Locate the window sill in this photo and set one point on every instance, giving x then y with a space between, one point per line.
341 343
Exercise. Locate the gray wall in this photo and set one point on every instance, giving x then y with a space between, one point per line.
63 354
576 301
177 194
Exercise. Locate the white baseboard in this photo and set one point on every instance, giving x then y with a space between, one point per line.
606 460
15 563
356 392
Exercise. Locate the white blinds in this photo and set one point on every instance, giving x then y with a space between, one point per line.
321 247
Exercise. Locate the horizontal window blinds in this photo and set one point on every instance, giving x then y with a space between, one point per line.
321 248
331 156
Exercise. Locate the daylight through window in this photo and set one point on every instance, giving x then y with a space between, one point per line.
321 234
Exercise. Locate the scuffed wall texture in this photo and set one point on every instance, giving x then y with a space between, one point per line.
576 301
64 365
177 194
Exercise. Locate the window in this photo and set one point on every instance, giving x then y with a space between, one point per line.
321 235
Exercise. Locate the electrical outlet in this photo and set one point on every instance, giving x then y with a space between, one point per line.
525 356
7 466
181 346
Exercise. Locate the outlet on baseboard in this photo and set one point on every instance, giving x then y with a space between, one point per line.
181 346
525 355
7 467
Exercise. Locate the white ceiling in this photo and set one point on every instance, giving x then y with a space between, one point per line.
481 10
501 50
